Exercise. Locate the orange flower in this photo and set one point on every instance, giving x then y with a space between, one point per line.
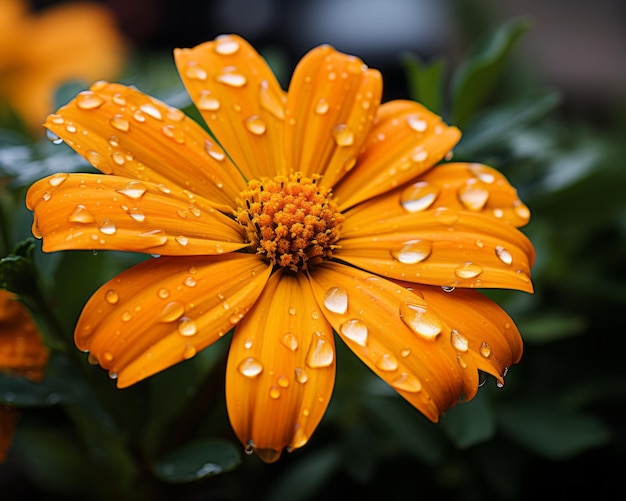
40 51
21 353
252 237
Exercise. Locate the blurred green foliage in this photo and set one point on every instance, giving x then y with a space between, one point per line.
558 418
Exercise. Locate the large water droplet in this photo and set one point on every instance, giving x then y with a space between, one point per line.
336 300
468 270
255 125
290 341
111 297
387 362
231 78
172 311
413 251
322 107
187 327
343 135
355 330
133 189
473 195
416 123
274 392
420 320
189 352
53 137
301 375
151 110
120 123
482 172
504 255
80 214
88 100
174 133
458 340
419 154
153 238
108 227
226 45
321 352
407 382
418 196
250 367
207 102
485 349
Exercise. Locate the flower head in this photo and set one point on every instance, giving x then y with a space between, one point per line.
41 51
320 211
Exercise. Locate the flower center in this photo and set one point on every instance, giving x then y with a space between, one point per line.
292 220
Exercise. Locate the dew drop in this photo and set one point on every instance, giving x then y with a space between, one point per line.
255 125
419 154
283 382
416 123
119 99
118 157
71 128
407 382
153 238
336 300
173 133
190 282
387 362
126 316
134 190
485 349
405 352
418 196
301 375
163 293
343 135
80 214
88 100
182 240
111 297
247 344
322 107
172 311
195 72
458 340
355 330
187 327
413 251
468 270
207 102
151 110
321 352
447 288
53 137
108 227
290 341
226 46
57 119
139 116
420 320
95 159
140 217
189 352
250 367
231 78
274 392
462 363
473 195
120 123
504 255
482 172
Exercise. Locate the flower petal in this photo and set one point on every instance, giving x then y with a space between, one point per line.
406 140
331 105
121 131
240 99
165 310
95 211
483 330
397 335
444 247
281 368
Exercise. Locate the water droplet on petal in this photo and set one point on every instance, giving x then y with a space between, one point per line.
290 341
458 340
255 125
207 102
120 123
473 195
485 349
190 282
420 320
355 330
418 196
283 382
231 78
163 293
111 297
53 137
173 133
416 123
387 362
419 154
88 100
172 311
187 327
321 352
194 71
274 392
301 375
343 135
407 382
189 352
413 251
336 300
151 110
250 367
81 215
468 270
133 189
153 238
182 240
322 107
119 99
225 45
482 172
504 255
57 119
108 227
447 288
95 159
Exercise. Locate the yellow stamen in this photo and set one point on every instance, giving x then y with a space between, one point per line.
292 220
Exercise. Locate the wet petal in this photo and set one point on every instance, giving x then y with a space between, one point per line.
397 335
165 310
94 211
332 101
240 99
406 140
281 368
484 331
121 131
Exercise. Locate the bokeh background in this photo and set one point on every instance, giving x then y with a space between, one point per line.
549 111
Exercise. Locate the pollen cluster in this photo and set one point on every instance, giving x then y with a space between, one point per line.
292 220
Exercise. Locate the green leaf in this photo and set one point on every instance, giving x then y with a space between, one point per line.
17 273
196 460
549 430
426 81
470 423
476 78
551 326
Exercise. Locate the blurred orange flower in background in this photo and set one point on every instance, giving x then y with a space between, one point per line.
325 212
39 51
22 353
